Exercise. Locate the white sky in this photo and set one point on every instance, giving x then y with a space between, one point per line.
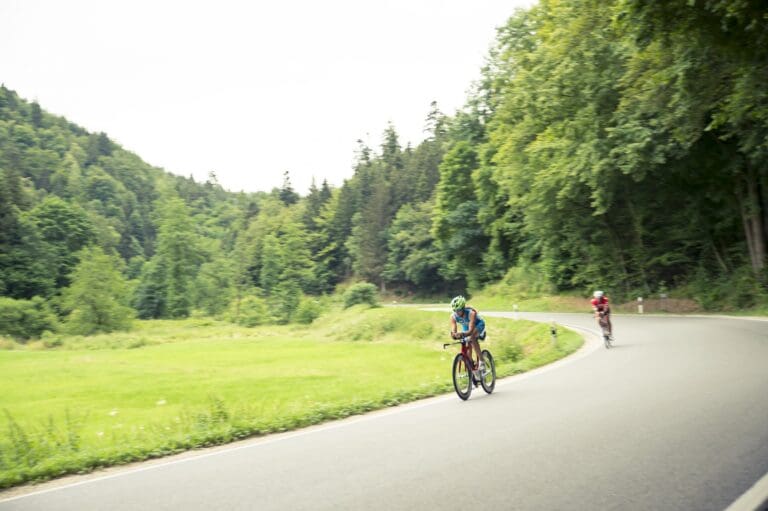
248 89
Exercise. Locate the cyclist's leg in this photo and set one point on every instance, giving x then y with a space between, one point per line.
610 325
480 336
476 346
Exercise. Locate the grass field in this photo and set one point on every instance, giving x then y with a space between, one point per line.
71 404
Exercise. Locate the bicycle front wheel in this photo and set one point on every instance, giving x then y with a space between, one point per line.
606 338
488 380
462 376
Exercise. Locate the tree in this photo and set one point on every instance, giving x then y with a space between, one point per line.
150 298
36 114
315 201
367 244
66 229
276 247
177 247
272 263
698 69
411 257
98 145
24 256
458 235
334 228
547 155
214 285
97 299
435 122
287 195
166 285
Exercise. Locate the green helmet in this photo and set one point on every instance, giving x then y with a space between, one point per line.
458 303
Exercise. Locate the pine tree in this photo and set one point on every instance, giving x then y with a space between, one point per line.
287 195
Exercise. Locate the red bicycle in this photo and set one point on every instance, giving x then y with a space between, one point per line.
465 377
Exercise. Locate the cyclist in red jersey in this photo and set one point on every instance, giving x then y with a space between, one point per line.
600 304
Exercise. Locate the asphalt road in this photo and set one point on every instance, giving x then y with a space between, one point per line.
675 417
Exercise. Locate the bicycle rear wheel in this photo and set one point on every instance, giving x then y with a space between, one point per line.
462 376
488 380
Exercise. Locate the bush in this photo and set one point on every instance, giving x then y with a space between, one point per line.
309 309
736 291
51 340
363 292
252 311
25 319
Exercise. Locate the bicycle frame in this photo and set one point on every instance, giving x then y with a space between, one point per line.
466 350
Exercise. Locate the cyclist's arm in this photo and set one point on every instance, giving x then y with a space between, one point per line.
453 325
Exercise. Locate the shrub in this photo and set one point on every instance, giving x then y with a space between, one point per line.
309 309
251 311
51 340
363 292
25 319
738 290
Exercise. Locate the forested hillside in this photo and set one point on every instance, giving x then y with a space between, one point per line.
620 144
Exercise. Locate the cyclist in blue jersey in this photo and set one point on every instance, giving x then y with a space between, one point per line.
472 325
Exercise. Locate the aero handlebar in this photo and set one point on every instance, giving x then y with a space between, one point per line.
460 341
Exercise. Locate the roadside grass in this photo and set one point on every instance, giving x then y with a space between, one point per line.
560 303
71 404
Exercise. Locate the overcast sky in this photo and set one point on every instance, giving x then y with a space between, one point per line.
248 89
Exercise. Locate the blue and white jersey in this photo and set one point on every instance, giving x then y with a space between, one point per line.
463 320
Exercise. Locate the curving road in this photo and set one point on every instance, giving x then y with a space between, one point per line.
675 417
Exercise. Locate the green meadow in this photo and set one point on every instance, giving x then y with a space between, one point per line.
71 404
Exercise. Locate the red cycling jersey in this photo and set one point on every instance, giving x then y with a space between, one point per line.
600 303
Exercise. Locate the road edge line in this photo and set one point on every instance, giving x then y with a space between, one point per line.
754 499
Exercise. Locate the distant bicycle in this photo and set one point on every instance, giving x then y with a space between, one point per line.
603 321
464 375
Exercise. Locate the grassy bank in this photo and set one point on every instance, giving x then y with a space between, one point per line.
71 404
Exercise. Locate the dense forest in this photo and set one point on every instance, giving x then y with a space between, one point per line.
620 144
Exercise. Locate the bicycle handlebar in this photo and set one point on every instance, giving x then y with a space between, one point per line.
460 341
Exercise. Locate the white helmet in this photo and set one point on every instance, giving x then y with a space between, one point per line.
598 294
